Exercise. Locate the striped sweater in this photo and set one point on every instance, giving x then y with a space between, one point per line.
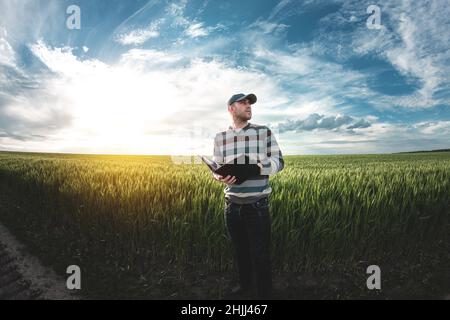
260 145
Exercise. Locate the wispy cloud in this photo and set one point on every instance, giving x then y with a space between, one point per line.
196 30
6 52
413 39
268 27
176 10
280 6
140 36
193 28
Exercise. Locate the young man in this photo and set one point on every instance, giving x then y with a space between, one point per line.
247 204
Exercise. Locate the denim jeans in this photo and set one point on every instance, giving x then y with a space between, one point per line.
249 227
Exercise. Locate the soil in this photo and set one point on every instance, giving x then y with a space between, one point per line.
23 277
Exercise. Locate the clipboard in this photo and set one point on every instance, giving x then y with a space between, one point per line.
242 169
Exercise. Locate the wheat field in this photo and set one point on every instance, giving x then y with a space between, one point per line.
121 218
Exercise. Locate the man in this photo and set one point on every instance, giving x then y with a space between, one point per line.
247 204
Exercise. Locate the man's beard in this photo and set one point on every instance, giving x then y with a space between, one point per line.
244 117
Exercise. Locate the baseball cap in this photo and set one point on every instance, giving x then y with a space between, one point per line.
241 96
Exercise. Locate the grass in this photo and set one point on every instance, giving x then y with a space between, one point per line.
137 225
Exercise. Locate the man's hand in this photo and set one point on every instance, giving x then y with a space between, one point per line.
227 180
259 164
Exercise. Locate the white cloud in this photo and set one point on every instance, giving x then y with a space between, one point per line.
28 111
268 27
140 36
416 44
434 127
280 6
7 55
196 30
410 60
176 10
27 20
192 27
413 38
315 79
143 59
126 106
283 63
62 60
381 137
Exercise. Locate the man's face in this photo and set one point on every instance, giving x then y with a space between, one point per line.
242 109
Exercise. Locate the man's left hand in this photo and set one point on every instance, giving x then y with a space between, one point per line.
260 167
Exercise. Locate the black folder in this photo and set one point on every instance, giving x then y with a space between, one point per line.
239 167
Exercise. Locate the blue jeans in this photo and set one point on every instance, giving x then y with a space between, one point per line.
249 227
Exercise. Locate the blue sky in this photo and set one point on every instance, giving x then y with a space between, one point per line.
153 77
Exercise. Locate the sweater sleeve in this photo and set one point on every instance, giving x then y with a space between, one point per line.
274 162
218 152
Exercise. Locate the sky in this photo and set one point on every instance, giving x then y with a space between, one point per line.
154 77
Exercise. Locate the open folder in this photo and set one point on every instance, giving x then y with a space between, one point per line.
239 168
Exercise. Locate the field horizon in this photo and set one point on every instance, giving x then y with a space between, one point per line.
193 155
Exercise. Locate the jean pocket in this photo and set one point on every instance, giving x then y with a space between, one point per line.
230 209
263 203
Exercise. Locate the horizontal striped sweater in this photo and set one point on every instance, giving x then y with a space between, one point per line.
260 145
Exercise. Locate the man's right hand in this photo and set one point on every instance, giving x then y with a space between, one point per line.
227 180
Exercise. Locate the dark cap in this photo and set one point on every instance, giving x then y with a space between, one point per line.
241 96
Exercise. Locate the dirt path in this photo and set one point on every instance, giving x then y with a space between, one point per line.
23 277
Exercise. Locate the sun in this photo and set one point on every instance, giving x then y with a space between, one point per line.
115 108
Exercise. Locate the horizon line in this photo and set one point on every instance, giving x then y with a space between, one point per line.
193 155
